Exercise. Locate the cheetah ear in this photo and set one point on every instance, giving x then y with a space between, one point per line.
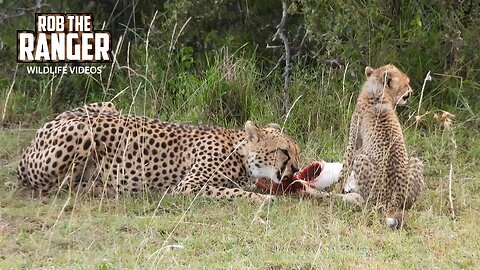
253 133
275 126
387 78
368 71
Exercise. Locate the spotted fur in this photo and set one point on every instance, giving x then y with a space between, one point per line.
96 148
376 164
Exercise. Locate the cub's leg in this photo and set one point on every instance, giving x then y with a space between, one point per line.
396 215
194 183
359 181
354 143
352 198
351 191
415 179
403 199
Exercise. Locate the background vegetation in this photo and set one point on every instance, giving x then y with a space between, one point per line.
212 62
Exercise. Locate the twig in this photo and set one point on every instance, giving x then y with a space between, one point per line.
450 180
451 76
21 11
427 78
8 94
281 25
280 34
288 113
450 199
286 73
302 43
275 67
273 46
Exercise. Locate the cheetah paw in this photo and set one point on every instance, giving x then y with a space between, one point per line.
309 191
353 198
262 199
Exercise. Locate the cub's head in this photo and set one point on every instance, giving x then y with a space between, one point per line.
389 84
271 153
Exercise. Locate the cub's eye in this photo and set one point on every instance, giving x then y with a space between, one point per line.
406 96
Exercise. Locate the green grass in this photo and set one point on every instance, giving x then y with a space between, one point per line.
156 232
215 77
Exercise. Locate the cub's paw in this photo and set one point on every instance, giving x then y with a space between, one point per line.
312 192
353 198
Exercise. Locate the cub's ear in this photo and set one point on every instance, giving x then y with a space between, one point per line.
275 126
387 78
253 133
368 71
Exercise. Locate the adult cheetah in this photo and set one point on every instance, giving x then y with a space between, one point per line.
377 169
99 149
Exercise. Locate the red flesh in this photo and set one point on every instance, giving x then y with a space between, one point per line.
290 184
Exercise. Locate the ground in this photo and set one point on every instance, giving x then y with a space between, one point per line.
156 232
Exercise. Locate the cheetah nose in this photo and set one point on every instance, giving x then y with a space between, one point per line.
295 169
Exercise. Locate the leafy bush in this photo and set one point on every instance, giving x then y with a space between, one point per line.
207 61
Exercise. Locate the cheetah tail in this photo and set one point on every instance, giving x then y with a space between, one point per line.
396 219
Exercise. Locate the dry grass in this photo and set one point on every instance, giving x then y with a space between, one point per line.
151 232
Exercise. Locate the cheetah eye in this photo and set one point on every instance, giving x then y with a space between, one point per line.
285 151
406 96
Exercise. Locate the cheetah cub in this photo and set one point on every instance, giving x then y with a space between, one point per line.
377 170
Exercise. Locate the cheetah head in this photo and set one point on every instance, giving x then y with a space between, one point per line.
271 153
389 84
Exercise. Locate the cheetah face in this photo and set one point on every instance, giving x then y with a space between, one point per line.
272 154
390 82
403 94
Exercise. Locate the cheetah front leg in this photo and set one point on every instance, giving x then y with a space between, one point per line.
359 181
233 193
193 184
353 144
351 191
